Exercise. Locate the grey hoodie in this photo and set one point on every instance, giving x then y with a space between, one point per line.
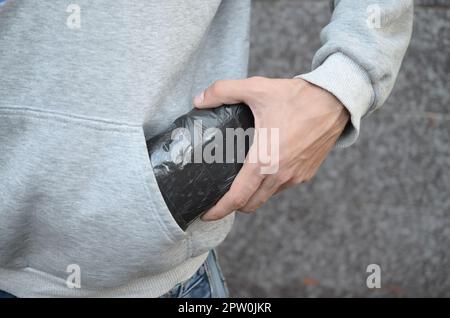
83 84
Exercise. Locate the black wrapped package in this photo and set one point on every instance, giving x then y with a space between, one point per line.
197 158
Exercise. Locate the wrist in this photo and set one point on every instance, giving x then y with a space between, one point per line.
321 100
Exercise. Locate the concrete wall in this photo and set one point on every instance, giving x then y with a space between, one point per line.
385 200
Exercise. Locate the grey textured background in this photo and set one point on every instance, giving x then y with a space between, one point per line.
385 200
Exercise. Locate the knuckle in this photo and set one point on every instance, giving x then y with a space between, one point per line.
263 201
298 180
239 201
308 177
258 84
283 178
247 210
217 87
255 204
257 79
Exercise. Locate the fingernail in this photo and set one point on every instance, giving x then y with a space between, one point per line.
198 100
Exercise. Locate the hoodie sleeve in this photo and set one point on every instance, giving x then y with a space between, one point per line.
363 47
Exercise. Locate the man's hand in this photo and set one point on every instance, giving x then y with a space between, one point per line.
309 119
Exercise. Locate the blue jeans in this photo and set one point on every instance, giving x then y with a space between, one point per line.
4 294
207 282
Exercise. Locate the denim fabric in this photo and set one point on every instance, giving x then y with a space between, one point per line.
4 294
207 282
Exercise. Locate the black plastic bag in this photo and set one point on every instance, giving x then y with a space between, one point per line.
191 186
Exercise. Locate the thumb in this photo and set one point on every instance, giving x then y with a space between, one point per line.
222 92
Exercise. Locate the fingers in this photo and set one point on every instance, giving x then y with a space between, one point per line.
223 92
244 186
267 189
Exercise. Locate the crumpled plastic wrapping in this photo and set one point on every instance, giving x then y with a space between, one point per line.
191 186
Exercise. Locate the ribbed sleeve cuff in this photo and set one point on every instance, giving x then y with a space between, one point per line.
350 83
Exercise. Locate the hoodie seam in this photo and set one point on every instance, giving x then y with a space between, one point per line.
61 117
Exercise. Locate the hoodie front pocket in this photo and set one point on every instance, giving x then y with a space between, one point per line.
76 190
149 181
